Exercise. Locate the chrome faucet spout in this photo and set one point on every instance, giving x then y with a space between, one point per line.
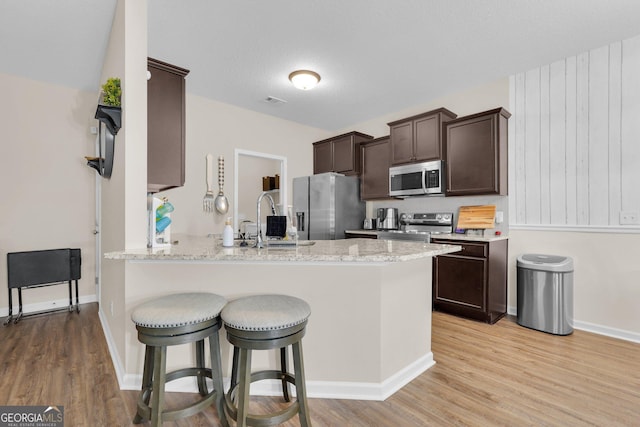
259 242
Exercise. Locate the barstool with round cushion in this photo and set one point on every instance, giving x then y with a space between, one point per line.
172 320
264 322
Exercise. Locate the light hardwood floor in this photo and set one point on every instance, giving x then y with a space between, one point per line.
499 375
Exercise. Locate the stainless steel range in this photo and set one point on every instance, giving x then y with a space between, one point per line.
419 226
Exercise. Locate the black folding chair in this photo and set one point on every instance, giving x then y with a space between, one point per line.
36 269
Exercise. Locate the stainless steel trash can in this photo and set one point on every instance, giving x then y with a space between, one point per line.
545 293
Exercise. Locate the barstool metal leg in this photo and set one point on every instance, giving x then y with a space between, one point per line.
216 376
147 381
301 389
244 384
159 379
202 383
284 370
234 369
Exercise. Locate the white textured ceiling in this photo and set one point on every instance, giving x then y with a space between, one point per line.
375 56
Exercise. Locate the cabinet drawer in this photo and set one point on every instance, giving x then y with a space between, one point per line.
468 248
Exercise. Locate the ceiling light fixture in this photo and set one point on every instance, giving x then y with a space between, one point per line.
304 79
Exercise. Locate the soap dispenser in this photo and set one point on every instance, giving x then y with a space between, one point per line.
227 234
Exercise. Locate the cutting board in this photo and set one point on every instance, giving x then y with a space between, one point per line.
476 216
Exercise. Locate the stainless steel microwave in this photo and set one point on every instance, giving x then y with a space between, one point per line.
417 179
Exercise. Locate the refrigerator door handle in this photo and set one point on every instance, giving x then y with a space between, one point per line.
300 218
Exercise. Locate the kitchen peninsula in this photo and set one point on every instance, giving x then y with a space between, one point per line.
370 329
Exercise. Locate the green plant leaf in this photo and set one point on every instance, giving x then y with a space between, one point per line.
112 92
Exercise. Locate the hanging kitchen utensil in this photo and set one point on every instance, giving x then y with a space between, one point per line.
207 201
221 203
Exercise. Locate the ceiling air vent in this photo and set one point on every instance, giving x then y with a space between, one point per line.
274 101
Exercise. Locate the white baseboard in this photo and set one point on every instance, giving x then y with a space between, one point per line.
607 331
315 389
596 329
115 358
46 305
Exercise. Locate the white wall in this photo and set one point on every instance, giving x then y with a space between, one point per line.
48 191
574 139
574 165
123 201
471 100
606 272
219 129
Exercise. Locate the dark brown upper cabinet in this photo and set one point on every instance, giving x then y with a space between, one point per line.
374 179
475 153
165 126
418 138
339 154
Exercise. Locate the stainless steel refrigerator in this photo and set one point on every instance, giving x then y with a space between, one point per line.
327 204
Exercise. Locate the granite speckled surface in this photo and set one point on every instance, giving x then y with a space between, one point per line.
191 248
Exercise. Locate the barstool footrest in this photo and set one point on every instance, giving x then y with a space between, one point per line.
144 410
267 419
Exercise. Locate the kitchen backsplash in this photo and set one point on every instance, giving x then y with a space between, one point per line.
444 204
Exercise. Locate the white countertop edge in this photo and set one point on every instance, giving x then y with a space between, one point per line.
224 262
281 259
355 251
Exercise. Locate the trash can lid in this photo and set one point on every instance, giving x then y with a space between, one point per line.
551 263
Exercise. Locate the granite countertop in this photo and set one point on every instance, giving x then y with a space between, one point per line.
191 248
453 236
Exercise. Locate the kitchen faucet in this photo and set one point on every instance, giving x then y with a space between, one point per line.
259 244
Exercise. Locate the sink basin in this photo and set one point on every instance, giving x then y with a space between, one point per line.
288 244
274 244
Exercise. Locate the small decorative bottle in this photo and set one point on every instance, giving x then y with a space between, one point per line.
227 234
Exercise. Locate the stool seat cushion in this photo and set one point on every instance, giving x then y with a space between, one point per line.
265 312
178 310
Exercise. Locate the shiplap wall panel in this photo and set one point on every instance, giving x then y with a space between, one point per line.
519 198
615 109
511 152
598 166
582 139
630 147
570 142
545 205
532 146
575 139
557 145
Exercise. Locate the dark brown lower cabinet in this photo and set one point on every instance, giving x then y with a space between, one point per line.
472 282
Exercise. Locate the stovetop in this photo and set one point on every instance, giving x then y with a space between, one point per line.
434 223
420 226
